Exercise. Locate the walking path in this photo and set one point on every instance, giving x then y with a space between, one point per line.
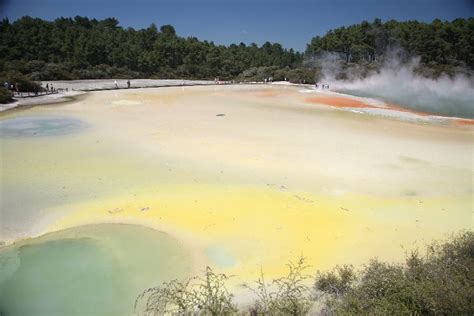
66 90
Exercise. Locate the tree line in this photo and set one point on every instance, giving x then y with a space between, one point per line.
443 47
83 48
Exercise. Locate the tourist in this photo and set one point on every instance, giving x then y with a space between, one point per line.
128 83
116 84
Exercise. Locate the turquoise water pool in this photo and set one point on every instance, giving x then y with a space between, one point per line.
88 270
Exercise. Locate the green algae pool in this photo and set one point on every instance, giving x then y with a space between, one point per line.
87 270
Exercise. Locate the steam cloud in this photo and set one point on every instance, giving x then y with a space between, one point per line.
397 82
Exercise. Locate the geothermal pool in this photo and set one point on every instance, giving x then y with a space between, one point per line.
118 191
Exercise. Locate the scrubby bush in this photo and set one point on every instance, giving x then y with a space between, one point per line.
21 82
441 282
336 282
205 295
5 96
288 295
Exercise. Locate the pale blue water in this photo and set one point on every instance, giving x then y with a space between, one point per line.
220 257
89 270
36 126
461 106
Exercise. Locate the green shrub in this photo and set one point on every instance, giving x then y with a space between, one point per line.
22 82
5 96
441 282
205 295
288 295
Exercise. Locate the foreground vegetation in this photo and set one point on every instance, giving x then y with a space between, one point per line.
440 282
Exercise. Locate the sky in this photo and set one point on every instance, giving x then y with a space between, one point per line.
291 23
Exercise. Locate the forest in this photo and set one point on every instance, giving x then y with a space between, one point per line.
444 43
83 48
442 47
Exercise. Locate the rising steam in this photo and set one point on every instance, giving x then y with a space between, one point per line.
398 82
